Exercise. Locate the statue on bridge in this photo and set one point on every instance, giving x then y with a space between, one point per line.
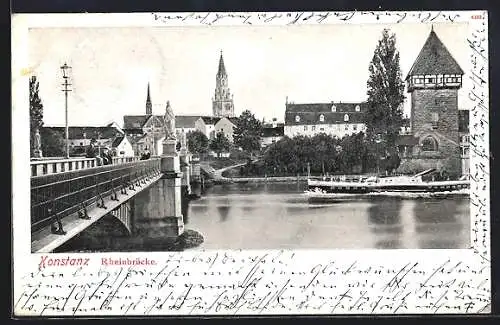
169 120
37 144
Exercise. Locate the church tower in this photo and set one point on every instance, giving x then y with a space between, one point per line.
149 105
222 103
433 82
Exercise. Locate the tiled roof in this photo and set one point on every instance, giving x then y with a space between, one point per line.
88 132
434 58
325 107
134 121
185 121
117 141
210 119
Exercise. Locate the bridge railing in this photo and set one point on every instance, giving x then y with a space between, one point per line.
55 196
53 166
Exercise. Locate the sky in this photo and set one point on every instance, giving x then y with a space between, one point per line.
111 67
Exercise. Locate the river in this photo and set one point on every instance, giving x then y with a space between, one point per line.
278 216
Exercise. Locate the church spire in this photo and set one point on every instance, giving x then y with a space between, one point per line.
149 106
222 68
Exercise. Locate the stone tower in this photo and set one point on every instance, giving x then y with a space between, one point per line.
222 103
433 82
149 105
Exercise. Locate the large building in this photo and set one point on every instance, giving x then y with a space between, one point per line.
336 119
433 82
222 103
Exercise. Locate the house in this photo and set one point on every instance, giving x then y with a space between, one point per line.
122 147
226 125
206 125
79 137
145 132
185 123
272 133
336 119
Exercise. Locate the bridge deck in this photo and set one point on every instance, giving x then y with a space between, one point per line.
44 241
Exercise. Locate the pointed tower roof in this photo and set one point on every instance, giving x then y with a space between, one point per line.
434 58
222 68
148 99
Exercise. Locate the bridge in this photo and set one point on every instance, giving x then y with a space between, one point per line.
69 195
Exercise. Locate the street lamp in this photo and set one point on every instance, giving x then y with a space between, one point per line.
65 72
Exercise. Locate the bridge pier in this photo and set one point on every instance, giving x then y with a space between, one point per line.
169 221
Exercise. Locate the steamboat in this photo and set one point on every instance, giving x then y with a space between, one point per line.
342 187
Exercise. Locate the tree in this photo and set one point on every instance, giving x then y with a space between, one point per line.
220 144
36 110
197 142
248 131
53 143
385 91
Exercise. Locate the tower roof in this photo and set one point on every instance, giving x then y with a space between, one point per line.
434 58
222 68
148 99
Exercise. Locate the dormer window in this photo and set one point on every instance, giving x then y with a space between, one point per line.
358 108
334 108
322 118
297 118
346 118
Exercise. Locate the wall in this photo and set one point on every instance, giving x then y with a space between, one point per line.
338 130
226 126
444 102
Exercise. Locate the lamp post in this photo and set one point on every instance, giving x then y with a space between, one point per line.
65 72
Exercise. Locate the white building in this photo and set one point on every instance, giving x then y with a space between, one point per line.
226 125
122 147
336 119
206 125
185 123
272 133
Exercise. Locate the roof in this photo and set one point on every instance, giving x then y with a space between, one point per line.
434 58
116 142
406 140
231 120
326 107
270 125
210 119
222 68
88 132
185 121
273 132
307 118
134 121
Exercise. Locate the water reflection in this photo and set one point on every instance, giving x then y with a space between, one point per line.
278 216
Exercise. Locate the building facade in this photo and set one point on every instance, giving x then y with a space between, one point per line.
222 102
145 132
464 134
226 125
433 83
336 119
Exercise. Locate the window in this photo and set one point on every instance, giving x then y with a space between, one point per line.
355 127
358 108
334 108
435 117
313 128
305 127
322 118
347 127
322 129
346 118
81 143
297 118
430 80
429 144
